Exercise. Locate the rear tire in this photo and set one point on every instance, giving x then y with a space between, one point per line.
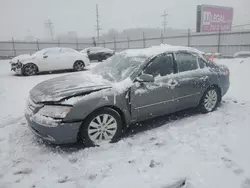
101 127
210 100
79 65
29 69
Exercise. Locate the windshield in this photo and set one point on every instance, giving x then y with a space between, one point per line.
119 67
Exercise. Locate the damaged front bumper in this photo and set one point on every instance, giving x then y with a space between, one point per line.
16 67
63 133
49 129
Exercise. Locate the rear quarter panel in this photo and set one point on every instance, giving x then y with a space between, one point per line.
83 58
217 75
223 74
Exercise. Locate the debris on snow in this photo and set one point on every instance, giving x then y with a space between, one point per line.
152 138
23 171
63 180
92 177
73 160
131 161
179 184
18 181
153 164
246 183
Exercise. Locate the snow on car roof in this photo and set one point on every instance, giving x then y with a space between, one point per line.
156 50
98 49
52 48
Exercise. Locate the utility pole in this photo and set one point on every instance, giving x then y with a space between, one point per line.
164 23
97 26
49 26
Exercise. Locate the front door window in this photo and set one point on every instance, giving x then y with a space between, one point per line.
160 66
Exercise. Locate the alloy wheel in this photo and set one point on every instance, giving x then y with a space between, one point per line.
102 129
30 70
210 100
79 65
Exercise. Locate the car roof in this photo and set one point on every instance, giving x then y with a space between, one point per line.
95 47
55 48
156 50
52 48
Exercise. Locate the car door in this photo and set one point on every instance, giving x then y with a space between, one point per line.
153 99
191 79
67 58
95 53
92 54
50 59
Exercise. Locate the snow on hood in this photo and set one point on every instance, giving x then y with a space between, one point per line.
21 58
62 87
155 50
115 89
120 87
75 85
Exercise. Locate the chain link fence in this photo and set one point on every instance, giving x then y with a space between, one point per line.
226 43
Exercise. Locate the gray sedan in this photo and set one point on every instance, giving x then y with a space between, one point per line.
131 86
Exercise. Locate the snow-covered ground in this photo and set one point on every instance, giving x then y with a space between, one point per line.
208 151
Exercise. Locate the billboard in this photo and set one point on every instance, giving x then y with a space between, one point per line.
214 18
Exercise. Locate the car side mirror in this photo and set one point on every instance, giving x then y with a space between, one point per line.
145 78
45 56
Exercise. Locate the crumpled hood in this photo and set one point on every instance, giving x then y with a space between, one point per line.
59 88
21 58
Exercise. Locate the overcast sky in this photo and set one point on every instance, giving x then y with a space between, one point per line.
20 17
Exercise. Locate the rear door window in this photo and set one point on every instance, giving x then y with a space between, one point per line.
186 62
67 50
54 51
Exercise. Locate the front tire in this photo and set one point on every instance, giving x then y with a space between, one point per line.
79 65
210 100
101 127
29 69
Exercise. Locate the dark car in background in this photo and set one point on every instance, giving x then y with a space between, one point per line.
98 53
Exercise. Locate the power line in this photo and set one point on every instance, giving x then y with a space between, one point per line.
97 26
49 26
164 23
